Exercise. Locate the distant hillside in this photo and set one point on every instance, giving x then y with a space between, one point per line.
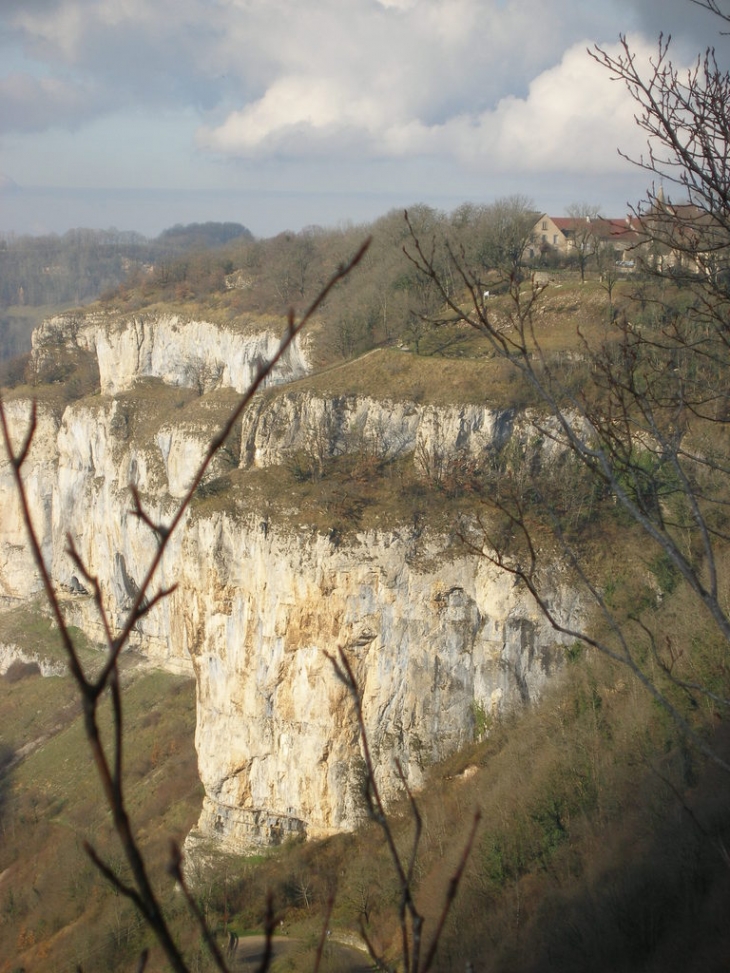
195 236
42 275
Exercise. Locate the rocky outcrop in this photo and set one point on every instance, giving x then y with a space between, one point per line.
19 576
278 426
438 641
13 655
438 638
181 352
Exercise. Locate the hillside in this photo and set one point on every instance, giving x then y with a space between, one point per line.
361 503
40 276
56 911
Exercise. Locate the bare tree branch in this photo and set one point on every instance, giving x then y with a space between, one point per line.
109 765
411 919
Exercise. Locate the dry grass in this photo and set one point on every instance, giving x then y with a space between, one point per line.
402 376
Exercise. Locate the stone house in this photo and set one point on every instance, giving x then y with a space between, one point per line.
566 234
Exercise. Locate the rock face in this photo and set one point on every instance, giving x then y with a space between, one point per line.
11 654
194 354
434 436
436 640
19 577
439 639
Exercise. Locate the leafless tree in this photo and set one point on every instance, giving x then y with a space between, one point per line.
609 270
643 417
94 688
416 955
583 234
492 237
108 753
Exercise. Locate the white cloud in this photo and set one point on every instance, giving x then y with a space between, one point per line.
425 59
289 104
439 92
398 4
573 118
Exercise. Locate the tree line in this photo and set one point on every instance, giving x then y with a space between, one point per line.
388 300
53 272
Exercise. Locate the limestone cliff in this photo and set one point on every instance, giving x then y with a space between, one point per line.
328 426
19 576
436 638
191 353
439 639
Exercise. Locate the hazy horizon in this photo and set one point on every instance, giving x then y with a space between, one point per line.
283 115
36 211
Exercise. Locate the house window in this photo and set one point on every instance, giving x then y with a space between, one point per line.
555 239
544 224
544 238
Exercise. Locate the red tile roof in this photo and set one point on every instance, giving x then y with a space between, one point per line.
623 231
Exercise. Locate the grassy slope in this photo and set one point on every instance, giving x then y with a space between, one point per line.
55 910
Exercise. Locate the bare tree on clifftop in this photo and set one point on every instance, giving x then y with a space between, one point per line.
638 425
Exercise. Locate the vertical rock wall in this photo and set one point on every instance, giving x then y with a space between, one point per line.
438 638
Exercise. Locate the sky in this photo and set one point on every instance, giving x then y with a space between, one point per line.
280 114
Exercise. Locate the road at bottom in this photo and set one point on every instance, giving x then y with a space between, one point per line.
345 959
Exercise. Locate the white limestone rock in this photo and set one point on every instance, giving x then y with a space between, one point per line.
436 635
190 353
19 576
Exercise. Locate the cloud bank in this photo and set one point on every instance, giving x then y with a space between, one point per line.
276 77
572 118
282 94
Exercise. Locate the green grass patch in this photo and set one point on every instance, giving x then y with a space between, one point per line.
56 911
34 632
